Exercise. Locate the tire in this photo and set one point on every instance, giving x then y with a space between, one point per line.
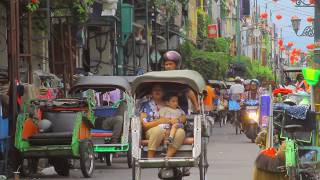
129 154
136 170
86 158
203 163
292 173
108 158
61 166
29 166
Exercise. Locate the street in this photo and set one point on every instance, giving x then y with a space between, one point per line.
230 156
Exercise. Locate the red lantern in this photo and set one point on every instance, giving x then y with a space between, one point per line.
312 1
294 1
305 54
278 17
290 44
294 17
310 19
282 48
311 46
292 59
264 15
280 42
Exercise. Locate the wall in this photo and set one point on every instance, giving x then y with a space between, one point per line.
3 37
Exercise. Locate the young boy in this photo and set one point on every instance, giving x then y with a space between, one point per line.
171 110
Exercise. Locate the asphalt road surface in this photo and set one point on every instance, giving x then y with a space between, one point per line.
230 157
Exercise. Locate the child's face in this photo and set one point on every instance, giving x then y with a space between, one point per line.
173 102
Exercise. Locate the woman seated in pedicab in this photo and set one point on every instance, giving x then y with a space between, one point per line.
156 127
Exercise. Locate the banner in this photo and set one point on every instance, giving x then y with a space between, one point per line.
212 31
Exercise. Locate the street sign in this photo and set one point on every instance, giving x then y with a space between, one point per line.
212 31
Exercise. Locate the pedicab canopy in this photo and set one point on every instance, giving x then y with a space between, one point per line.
176 78
102 82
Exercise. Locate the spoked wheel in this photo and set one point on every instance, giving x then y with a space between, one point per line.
136 170
61 166
292 173
203 163
86 158
129 154
29 166
109 157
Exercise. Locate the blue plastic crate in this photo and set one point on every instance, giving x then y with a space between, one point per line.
105 111
4 128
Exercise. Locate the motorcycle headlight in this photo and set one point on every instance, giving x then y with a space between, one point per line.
254 116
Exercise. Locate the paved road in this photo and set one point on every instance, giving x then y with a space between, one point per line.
230 156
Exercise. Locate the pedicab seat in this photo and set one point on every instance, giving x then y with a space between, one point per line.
187 141
61 131
101 133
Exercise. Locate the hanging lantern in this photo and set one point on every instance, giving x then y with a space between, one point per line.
278 17
305 54
294 1
264 15
280 42
292 59
282 48
290 44
310 19
311 46
298 52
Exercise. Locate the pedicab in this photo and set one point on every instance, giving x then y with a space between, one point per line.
104 146
58 130
220 113
193 152
299 131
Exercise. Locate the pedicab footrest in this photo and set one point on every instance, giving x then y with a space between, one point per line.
58 138
101 133
162 162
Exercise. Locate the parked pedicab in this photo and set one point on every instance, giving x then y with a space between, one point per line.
193 152
108 111
299 130
58 130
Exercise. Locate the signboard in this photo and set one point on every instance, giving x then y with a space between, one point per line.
212 31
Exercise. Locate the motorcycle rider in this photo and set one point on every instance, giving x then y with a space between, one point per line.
172 61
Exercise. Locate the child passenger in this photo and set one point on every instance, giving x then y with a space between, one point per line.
171 110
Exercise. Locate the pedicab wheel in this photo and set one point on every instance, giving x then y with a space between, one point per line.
61 166
292 173
109 157
136 170
129 154
203 163
86 158
29 166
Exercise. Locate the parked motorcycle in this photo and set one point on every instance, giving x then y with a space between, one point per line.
250 119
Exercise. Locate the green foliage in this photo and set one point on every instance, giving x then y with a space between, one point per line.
203 22
213 62
211 65
217 45
170 6
223 8
80 10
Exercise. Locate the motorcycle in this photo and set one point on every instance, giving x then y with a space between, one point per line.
250 119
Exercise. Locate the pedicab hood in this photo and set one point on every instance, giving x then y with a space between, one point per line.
189 78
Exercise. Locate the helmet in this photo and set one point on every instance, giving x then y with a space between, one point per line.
247 82
256 81
172 56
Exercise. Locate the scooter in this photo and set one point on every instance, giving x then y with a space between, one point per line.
250 119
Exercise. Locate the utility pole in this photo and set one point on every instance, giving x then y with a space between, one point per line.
238 31
317 53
